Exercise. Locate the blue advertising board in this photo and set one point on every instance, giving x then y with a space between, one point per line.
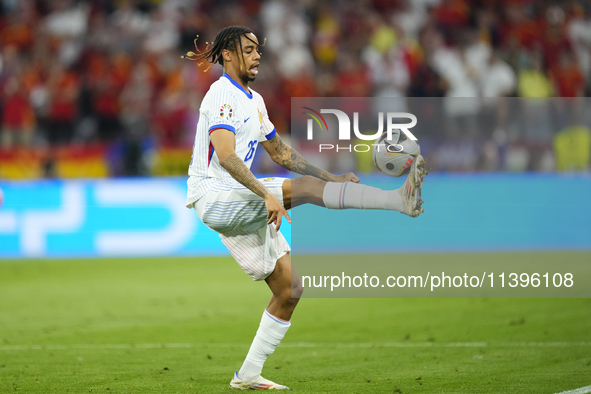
468 212
148 217
129 217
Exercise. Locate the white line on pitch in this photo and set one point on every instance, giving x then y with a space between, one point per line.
582 390
297 345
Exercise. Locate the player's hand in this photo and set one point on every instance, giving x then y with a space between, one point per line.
276 211
348 177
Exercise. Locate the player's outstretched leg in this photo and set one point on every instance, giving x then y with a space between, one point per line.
285 284
337 195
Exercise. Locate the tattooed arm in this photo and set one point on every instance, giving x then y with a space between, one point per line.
224 143
290 159
236 167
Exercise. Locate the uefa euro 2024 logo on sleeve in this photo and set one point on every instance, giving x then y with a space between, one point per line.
345 129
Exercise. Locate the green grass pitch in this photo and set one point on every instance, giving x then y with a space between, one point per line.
183 325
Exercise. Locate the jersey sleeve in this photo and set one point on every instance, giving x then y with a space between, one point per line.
268 129
220 111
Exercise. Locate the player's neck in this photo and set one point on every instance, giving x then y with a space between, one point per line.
234 75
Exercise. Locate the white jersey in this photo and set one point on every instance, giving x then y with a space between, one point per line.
226 106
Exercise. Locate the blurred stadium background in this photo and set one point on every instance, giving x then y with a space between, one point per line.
98 88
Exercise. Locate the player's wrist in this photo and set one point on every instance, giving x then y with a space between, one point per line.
334 178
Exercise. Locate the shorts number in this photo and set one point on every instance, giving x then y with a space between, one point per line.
252 145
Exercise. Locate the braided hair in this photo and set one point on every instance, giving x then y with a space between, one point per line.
229 38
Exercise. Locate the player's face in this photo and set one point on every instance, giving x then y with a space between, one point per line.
251 56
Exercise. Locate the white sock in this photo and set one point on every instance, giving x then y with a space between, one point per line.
353 195
269 335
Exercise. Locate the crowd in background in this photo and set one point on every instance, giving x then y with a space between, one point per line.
110 71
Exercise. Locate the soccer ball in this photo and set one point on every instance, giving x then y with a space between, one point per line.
394 157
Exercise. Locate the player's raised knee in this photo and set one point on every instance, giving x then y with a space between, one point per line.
310 186
310 180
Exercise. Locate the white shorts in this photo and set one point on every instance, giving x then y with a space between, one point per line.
240 217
